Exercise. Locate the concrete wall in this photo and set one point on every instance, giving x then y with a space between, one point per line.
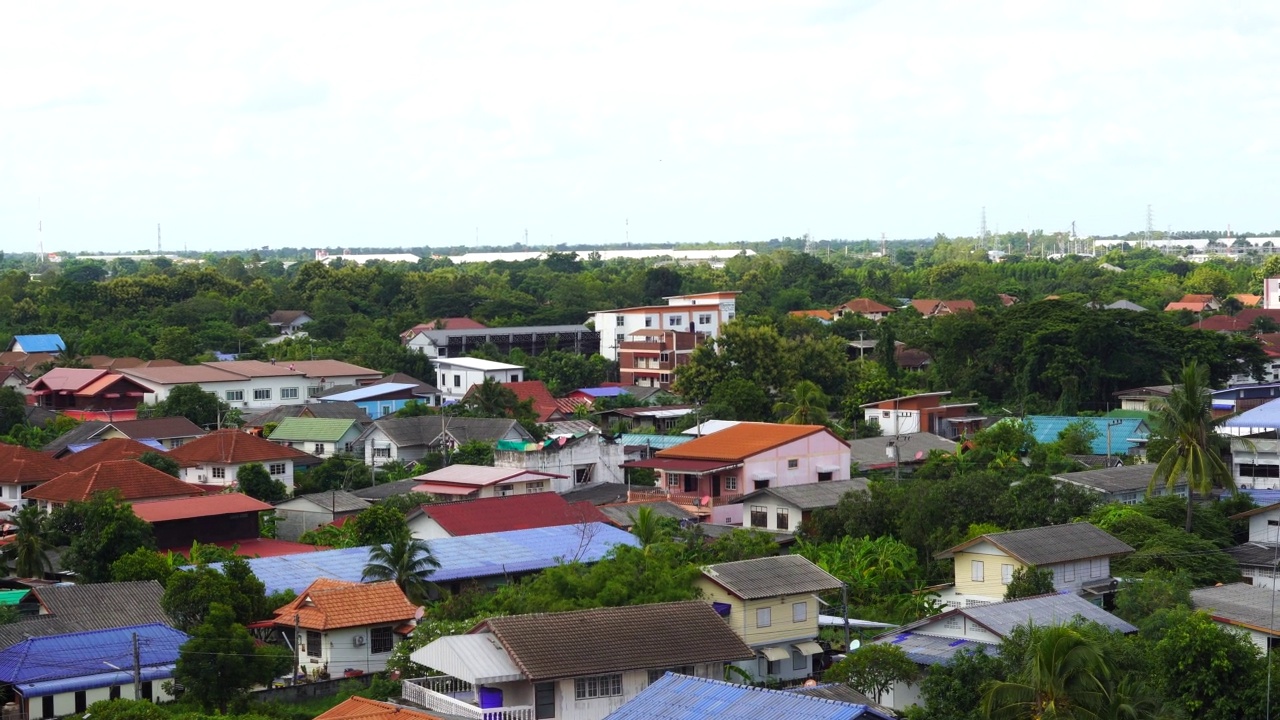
204 473
65 703
602 459
340 652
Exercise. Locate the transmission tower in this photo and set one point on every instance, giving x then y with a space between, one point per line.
982 234
1150 225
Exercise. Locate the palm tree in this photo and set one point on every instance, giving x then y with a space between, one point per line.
1185 420
406 561
644 525
30 549
808 405
1064 676
491 399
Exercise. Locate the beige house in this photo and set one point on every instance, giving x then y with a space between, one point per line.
344 626
772 604
1078 554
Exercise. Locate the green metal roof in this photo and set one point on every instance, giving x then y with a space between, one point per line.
12 597
311 429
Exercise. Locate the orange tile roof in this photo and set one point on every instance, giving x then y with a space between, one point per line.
1193 306
23 466
960 305
232 447
1194 297
358 708
740 441
1248 300
925 307
328 604
201 506
134 480
820 314
112 449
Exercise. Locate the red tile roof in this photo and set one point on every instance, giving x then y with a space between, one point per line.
154 511
1222 323
865 305
1197 298
514 512
543 403
741 441
66 380
358 708
112 449
23 466
329 604
134 480
268 547
232 447
1192 306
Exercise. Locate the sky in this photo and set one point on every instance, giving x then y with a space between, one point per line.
237 125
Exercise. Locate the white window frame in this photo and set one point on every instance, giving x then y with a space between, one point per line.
262 393
793 463
235 396
731 482
675 320
289 393
1006 573
535 486
799 612
318 449
597 686
704 319
277 469
218 473
764 617
977 571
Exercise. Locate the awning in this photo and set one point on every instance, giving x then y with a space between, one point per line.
828 468
775 654
442 489
677 465
808 647
478 659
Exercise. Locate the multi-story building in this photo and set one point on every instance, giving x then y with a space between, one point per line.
649 357
703 314
253 383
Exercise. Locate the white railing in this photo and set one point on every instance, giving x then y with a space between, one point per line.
436 693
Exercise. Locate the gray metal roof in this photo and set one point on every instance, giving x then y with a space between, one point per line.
623 514
335 410
1255 554
443 335
1050 544
1002 618
78 608
771 577
870 451
596 493
1126 478
428 429
1239 604
386 490
810 496
339 501
931 650
478 658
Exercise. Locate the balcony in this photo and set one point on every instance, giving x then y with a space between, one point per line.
456 698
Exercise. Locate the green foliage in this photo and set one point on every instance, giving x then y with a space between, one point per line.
1062 671
882 575
1207 671
254 481
30 547
473 452
100 531
221 661
429 628
1142 597
807 406
874 669
1077 437
953 691
163 463
406 561
13 409
1161 544
379 524
145 564
1029 581
1185 420
193 403
190 594
336 472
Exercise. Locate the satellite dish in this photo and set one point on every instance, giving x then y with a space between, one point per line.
706 500
920 455
417 614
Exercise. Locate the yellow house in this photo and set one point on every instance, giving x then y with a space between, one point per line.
772 604
1078 554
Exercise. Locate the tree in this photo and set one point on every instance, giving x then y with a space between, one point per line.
254 481
1140 598
99 531
1209 672
406 561
13 409
145 564
473 452
1185 419
953 691
1078 436
177 343
874 669
739 399
378 525
645 526
221 661
1062 676
193 403
1029 581
808 405
30 547
190 594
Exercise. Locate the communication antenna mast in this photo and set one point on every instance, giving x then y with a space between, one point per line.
1150 224
884 246
40 228
158 239
983 232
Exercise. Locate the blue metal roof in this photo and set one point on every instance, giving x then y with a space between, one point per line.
1263 417
657 442
40 343
368 392
1047 427
150 442
76 655
681 697
461 558
89 682
599 392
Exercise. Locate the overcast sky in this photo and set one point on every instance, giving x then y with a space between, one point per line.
381 124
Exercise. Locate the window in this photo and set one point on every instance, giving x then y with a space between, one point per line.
535 487
976 570
384 452
1006 574
784 519
386 410
759 516
664 357
314 644
219 473
81 703
1262 471
799 612
598 686
691 483
665 377
673 480
318 449
798 660
955 622
764 617
313 391
505 490
457 381
619 338
885 414
442 352
648 321
731 482
826 476
262 394
147 691
235 395
380 640
674 320
1069 573
704 319
276 468
1095 567
793 463
288 393
620 321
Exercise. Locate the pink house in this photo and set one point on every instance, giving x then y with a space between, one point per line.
717 468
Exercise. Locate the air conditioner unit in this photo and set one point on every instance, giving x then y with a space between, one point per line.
204 478
357 640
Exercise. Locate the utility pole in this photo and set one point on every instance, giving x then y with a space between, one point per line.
293 679
137 670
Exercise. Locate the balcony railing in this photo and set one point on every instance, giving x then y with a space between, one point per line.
441 694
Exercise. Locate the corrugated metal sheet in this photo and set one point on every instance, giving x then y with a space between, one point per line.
88 653
477 659
1123 436
1003 617
369 391
657 442
771 576
680 697
88 682
930 650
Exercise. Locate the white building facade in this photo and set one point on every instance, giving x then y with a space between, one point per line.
704 313
458 375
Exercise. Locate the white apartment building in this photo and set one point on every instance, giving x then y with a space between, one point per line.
252 383
457 375
702 313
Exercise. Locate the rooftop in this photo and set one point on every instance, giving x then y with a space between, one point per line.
771 577
1125 478
513 512
134 481
1241 604
330 408
370 392
810 496
428 429
681 697
480 475
1050 544
203 506
40 343
470 363
873 451
232 447
111 449
23 466
329 604
1129 432
741 441
94 652
304 429
358 708
1255 554
624 514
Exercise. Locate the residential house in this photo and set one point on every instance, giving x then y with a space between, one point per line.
579 665
1127 484
358 708
308 512
250 384
1113 436
866 307
27 362
459 323
288 322
321 437
681 697
1259 557
410 439
1145 399
655 418
923 412
1255 461
1194 303
499 514
14 377
30 344
544 405
21 471
598 494
88 394
79 457
937 639
168 432
1270 343
479 481
703 314
457 375
585 458
1242 607
453 342
650 357
180 522
382 491
490 559
59 675
772 604
132 479
1078 554
821 315
387 396
347 626
1124 305
325 408
933 308
214 459
719 467
784 508
905 450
